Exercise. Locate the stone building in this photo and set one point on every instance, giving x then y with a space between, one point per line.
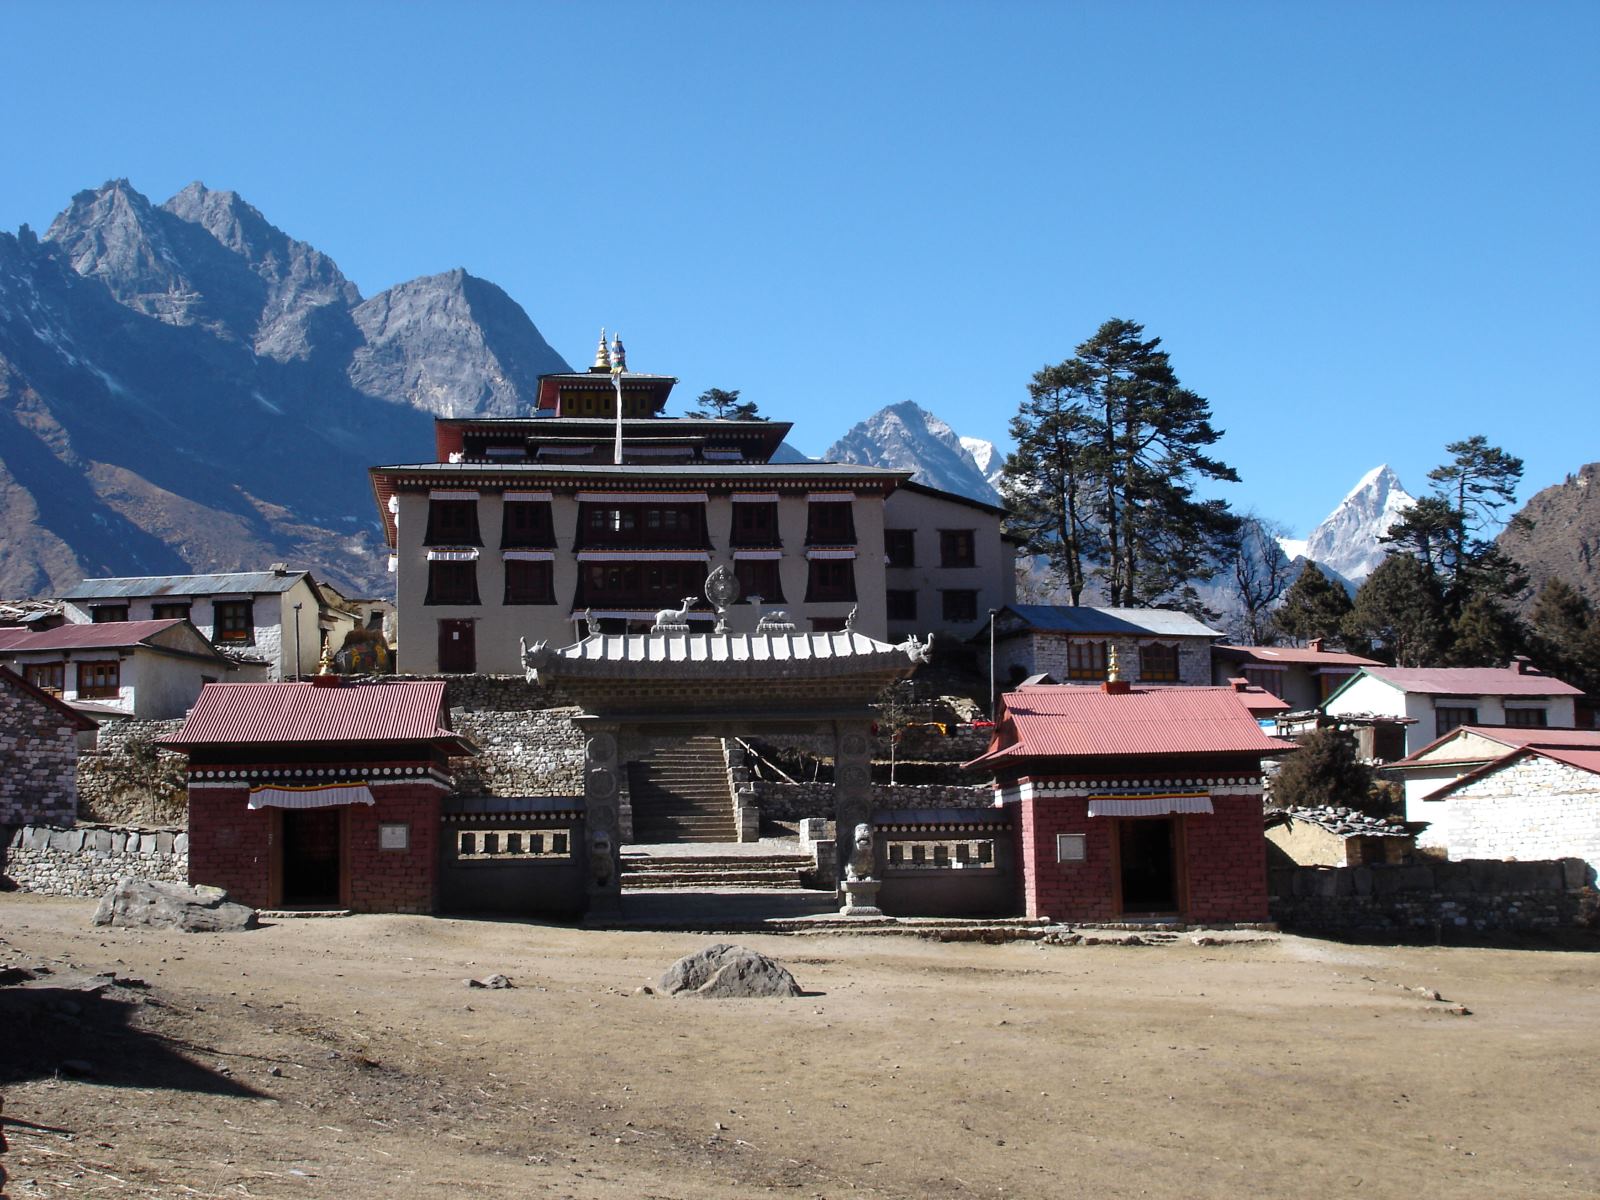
1330 836
39 738
523 525
1303 676
1135 802
1537 800
1075 644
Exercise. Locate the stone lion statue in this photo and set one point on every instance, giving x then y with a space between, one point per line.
862 861
600 860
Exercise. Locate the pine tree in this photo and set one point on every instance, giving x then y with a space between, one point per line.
1110 447
1398 611
1483 634
1313 607
724 406
1043 481
1325 771
1565 639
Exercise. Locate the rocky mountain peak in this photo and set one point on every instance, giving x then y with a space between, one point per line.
1558 536
1347 541
907 437
453 345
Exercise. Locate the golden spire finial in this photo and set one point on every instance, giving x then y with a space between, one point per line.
1113 668
601 361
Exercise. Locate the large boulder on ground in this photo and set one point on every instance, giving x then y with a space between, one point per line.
728 972
150 904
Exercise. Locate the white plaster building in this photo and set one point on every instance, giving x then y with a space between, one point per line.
148 670
948 562
1439 699
254 613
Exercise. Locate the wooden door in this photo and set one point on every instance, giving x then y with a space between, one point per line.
457 653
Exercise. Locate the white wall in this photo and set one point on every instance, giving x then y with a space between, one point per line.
1534 808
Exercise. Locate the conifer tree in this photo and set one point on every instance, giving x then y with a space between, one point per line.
1325 771
1398 612
1313 607
1565 639
724 406
1115 498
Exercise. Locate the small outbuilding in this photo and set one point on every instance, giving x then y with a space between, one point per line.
1135 802
1331 836
319 794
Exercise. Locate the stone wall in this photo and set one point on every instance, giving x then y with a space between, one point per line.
794 801
38 756
126 780
1047 653
1534 808
1434 900
87 860
527 753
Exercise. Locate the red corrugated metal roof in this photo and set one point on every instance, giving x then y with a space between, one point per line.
101 635
1087 722
304 712
1473 681
1514 737
1587 760
1297 654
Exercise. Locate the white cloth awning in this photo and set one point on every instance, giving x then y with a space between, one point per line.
463 555
830 553
830 497
532 497
757 554
320 796
451 494
528 555
1149 806
643 556
753 497
641 497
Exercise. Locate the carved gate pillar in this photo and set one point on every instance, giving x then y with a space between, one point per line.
601 772
852 785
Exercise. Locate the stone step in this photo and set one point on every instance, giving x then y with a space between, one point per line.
799 862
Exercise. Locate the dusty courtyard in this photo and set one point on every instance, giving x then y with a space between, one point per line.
346 1058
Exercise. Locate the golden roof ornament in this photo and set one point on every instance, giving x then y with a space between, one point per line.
325 666
602 361
1113 668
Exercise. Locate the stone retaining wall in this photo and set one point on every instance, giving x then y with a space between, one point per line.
126 780
1436 899
87 860
524 753
793 801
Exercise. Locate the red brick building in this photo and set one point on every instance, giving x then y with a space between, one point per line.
318 794
1135 801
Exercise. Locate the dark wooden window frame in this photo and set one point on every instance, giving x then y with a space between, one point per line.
958 547
900 547
233 621
530 581
527 525
769 571
452 523
452 582
1160 662
830 523
830 580
959 605
755 525
99 679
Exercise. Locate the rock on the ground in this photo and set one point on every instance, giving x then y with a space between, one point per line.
151 904
724 971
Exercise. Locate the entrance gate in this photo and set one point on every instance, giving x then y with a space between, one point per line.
641 691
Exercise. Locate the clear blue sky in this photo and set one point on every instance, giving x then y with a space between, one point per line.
1363 230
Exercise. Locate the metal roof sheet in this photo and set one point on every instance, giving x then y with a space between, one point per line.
100 635
1511 737
128 587
1088 722
1295 654
1472 681
307 712
778 653
74 718
656 473
1066 618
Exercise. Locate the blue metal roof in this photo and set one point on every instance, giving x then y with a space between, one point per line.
1065 618
232 583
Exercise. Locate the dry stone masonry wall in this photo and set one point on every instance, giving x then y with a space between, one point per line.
127 780
1437 899
88 860
796 801
38 753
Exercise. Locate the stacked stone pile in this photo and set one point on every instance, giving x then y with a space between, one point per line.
1348 821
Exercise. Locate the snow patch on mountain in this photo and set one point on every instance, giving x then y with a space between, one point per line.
989 458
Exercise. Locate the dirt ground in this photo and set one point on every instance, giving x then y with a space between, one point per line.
335 1058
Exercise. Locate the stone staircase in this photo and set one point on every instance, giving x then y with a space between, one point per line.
708 871
680 794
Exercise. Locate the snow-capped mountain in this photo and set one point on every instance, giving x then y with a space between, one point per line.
1347 541
988 457
910 438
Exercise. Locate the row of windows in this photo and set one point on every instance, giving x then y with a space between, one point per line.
1450 716
233 620
956 605
957 547
530 525
96 680
1158 661
638 585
